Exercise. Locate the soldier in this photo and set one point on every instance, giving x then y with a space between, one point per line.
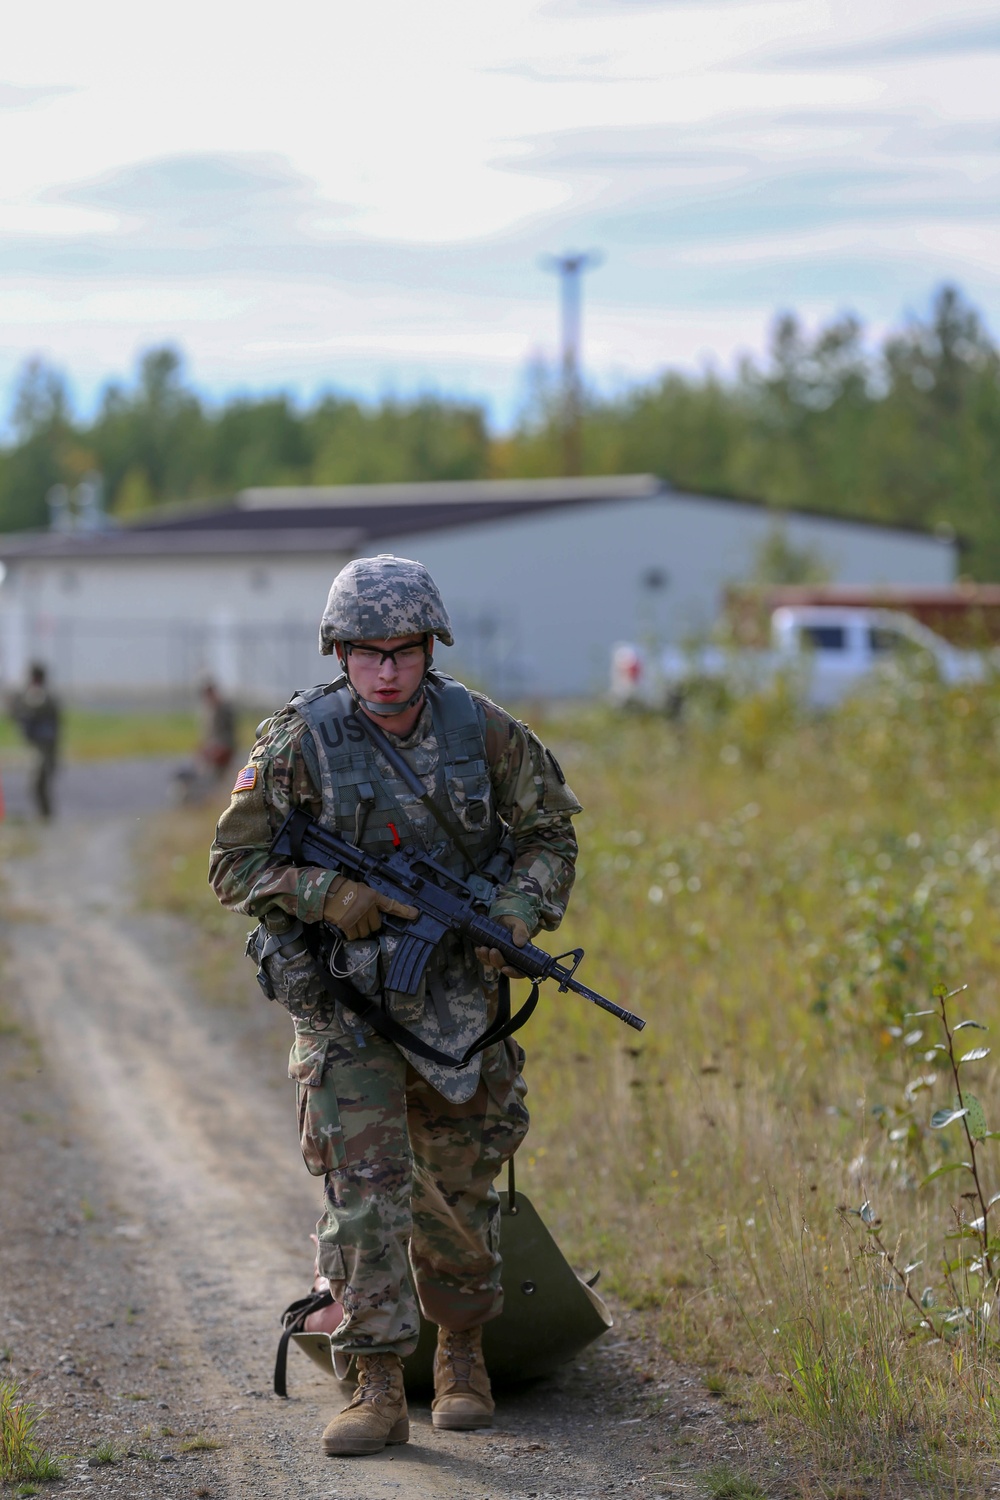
36 711
218 730
408 1147
199 778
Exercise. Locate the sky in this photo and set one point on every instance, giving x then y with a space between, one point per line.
322 194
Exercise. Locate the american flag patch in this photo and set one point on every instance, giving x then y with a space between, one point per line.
246 780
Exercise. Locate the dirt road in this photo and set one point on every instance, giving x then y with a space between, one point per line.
154 1218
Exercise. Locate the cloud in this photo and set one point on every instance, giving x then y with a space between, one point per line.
650 197
227 195
955 39
796 169
18 96
213 215
583 70
283 224
811 196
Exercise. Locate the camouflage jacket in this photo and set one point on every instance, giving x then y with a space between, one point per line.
531 797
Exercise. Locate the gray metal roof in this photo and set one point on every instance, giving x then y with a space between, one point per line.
325 518
40 546
304 520
457 492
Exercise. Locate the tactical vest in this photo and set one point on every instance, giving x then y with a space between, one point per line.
364 799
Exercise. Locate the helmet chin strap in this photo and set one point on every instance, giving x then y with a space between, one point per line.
387 710
384 710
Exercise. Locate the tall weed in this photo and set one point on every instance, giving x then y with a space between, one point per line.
21 1455
778 895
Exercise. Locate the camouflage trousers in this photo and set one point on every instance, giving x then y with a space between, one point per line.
410 1207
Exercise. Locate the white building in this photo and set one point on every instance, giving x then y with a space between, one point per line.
541 578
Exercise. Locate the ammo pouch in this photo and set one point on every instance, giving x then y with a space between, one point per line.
288 971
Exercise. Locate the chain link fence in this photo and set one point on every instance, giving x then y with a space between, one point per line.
120 661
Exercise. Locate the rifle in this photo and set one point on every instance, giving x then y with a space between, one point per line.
444 903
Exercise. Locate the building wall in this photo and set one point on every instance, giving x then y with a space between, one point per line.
537 602
111 628
170 588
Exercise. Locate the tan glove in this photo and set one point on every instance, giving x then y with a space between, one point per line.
356 909
492 958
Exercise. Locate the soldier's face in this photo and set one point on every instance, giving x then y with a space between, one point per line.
384 677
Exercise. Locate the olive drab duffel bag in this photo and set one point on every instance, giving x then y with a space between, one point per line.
549 1312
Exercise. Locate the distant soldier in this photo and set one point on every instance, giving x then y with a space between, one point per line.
36 711
199 778
394 752
218 736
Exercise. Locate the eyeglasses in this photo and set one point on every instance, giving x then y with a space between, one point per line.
406 655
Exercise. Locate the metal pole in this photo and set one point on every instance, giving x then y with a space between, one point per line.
569 268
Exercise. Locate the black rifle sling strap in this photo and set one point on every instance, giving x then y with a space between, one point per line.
447 825
505 1024
371 1012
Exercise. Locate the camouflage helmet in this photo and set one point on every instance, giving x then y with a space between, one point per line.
379 598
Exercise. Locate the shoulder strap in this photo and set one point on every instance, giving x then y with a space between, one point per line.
455 707
445 822
334 750
458 718
314 705
309 703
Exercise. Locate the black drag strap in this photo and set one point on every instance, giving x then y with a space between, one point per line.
294 1320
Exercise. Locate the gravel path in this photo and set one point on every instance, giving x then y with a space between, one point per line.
154 1221
97 788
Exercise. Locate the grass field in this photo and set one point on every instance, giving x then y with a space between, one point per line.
92 735
779 898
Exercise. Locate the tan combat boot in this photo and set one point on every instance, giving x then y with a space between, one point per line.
462 1398
377 1416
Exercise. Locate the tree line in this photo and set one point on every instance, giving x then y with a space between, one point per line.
905 430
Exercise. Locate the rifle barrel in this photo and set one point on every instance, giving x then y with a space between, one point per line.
636 1022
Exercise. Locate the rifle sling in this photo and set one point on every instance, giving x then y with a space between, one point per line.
371 1012
447 825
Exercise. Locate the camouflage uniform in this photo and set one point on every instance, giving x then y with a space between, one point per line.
408 1156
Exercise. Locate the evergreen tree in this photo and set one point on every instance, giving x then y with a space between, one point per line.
908 433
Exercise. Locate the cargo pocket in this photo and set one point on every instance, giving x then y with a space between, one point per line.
502 1072
506 1123
332 1265
321 1135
